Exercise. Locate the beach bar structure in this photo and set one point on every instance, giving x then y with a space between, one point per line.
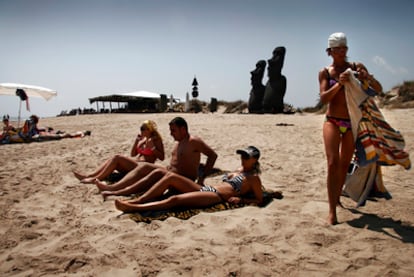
131 102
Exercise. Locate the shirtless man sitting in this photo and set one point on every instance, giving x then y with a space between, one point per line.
185 160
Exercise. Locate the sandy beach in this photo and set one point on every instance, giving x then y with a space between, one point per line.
52 225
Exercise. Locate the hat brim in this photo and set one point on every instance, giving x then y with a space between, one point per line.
243 153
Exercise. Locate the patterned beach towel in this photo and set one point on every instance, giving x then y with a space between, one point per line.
185 213
376 143
355 96
375 139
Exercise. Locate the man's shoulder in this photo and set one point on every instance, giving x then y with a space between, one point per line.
195 139
197 143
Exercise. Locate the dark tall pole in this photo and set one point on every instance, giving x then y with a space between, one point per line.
194 93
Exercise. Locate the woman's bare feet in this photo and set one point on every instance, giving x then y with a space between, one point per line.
106 193
102 186
79 175
124 206
88 180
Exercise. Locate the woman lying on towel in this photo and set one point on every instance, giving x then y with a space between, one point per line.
147 147
234 188
30 132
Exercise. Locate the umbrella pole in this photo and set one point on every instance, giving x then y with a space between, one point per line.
18 118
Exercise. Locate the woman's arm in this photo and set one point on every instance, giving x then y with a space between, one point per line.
326 93
256 188
364 75
137 140
211 158
158 149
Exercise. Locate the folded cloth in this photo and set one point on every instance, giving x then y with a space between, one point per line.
186 213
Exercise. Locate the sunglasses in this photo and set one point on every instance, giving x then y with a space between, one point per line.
143 129
339 49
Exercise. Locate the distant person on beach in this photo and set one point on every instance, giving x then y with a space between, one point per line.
147 147
337 134
185 161
31 128
8 128
31 132
240 187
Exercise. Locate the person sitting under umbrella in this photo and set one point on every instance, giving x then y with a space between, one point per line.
8 129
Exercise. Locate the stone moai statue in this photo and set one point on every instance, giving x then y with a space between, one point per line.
276 85
258 89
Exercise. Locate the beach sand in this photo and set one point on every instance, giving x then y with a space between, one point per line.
52 225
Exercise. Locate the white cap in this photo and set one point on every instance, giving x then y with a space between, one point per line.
336 40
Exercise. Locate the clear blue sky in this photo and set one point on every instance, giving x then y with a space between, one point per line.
85 48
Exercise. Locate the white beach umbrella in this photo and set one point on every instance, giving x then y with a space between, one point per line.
26 91
31 91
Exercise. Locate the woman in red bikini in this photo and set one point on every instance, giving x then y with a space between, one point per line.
147 147
337 134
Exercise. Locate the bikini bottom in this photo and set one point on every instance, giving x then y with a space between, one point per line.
343 124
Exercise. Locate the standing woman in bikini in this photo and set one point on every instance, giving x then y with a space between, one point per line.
337 134
147 147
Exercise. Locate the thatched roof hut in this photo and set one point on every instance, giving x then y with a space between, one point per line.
137 101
